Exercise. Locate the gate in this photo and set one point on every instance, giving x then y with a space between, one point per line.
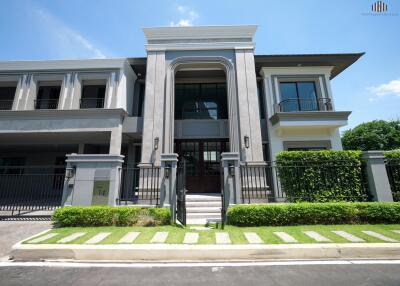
31 188
181 192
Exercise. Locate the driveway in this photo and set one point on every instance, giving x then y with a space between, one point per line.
13 231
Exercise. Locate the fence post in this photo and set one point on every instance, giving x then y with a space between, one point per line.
378 181
169 164
231 178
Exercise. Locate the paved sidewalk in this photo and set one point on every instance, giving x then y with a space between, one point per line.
13 231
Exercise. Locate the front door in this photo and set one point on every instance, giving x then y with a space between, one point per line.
203 159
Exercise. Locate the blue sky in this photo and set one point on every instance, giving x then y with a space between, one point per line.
38 29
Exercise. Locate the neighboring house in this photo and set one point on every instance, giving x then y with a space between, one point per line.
199 92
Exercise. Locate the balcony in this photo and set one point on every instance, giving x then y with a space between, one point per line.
95 102
304 104
46 103
6 104
307 113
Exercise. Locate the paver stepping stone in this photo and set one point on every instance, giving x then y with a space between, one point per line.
222 238
43 238
396 231
159 237
285 237
129 237
98 237
253 238
316 236
191 238
348 236
71 237
379 236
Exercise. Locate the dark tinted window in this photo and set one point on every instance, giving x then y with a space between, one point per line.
93 96
7 94
298 96
47 97
200 101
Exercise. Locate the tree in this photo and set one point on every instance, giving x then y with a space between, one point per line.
374 135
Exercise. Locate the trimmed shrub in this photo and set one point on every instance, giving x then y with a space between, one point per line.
392 159
313 213
109 216
322 176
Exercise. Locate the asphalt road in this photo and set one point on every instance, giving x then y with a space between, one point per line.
299 275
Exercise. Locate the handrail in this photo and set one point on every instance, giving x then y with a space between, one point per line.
92 102
6 104
304 104
46 103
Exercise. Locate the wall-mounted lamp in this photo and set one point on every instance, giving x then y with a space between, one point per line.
156 140
246 141
167 170
69 172
231 170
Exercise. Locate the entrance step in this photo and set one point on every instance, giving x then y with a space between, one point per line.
204 204
203 197
203 209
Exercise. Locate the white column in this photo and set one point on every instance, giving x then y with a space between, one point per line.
154 107
116 140
248 106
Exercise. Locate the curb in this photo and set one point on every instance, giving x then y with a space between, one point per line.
175 252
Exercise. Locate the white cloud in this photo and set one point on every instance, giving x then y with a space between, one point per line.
187 17
390 88
67 41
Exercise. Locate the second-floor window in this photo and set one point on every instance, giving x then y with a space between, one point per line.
298 96
93 95
47 96
7 93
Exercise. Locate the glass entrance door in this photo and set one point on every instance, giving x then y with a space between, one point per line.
203 159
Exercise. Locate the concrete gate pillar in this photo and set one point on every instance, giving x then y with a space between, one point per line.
169 164
92 179
378 181
231 177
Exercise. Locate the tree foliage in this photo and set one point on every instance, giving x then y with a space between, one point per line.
374 135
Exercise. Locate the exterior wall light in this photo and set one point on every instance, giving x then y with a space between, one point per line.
69 172
156 140
167 170
246 141
231 170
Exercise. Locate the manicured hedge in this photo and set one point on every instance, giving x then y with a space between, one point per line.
322 176
314 213
111 216
392 159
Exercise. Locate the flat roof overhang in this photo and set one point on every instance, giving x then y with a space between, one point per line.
339 62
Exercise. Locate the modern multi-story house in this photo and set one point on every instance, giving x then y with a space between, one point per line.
200 91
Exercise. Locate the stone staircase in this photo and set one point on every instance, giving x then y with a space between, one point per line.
203 208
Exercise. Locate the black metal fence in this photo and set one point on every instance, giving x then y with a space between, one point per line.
307 182
393 172
92 102
140 186
181 192
29 188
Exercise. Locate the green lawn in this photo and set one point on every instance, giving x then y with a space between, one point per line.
176 233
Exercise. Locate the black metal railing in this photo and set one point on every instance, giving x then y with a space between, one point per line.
46 103
393 172
140 186
31 187
256 182
6 104
307 182
96 102
181 192
304 104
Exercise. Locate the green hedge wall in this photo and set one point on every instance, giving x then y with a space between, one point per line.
392 159
110 216
314 213
322 176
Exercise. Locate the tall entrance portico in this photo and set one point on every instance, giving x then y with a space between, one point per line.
218 110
